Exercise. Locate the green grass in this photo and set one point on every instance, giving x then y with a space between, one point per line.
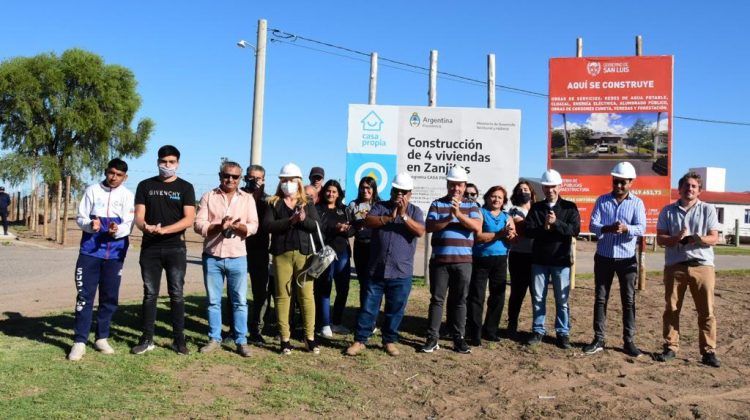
731 250
37 381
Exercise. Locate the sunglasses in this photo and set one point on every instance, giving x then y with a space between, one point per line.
471 194
225 175
396 191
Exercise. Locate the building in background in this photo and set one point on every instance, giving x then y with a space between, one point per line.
730 206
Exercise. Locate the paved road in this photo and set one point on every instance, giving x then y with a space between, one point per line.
35 281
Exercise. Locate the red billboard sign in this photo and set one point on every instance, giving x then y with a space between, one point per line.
605 110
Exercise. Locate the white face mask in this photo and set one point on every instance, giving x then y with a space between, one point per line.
289 187
166 172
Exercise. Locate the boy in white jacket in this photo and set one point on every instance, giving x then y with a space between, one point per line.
105 215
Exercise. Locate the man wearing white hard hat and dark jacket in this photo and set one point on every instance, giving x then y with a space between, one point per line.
552 223
618 219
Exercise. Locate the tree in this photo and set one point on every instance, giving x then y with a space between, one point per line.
640 132
67 115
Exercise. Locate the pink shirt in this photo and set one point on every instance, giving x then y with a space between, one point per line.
214 207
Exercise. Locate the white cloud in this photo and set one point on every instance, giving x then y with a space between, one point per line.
571 126
663 125
604 123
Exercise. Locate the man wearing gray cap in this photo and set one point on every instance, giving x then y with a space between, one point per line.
317 174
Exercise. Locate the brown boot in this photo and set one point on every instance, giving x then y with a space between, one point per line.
243 350
355 348
391 349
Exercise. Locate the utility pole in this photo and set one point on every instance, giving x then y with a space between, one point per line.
256 144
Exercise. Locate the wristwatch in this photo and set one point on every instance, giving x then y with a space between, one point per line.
405 218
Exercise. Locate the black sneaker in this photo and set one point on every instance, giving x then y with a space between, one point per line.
535 339
665 356
430 346
595 347
491 337
512 334
286 347
563 341
710 359
142 347
257 339
474 342
312 346
180 347
460 346
631 350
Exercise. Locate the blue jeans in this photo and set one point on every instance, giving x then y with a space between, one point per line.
339 272
541 275
396 293
235 270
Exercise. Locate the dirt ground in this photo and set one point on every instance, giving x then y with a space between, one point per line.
510 380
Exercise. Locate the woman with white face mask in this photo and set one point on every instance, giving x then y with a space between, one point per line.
290 220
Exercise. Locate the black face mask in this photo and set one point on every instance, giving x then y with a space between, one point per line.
524 198
251 184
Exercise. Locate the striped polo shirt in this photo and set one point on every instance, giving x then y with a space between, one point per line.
454 243
631 212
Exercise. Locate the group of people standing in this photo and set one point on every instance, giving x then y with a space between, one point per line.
473 248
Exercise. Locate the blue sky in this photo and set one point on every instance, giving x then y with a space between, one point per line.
197 85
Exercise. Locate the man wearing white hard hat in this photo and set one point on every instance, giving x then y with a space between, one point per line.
552 223
453 220
618 219
396 224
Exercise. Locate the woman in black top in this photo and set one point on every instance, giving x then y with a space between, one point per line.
337 230
367 196
291 219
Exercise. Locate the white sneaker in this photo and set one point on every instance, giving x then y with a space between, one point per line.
339 329
103 346
326 332
77 352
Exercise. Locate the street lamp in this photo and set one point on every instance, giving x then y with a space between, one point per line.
256 141
244 44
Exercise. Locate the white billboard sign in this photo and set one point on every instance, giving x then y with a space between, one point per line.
426 142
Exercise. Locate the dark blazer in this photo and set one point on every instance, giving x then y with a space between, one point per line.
284 235
552 247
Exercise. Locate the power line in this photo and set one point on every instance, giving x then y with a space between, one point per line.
292 37
713 121
289 39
